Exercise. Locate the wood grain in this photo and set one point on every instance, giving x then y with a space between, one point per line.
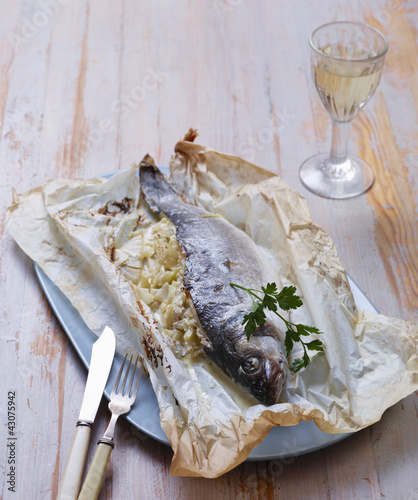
89 87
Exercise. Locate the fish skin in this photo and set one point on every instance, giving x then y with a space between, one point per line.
217 253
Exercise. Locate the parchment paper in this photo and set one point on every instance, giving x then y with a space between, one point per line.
370 360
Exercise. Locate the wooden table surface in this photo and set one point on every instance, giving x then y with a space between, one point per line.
88 87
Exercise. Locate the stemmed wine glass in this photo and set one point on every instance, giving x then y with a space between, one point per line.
347 62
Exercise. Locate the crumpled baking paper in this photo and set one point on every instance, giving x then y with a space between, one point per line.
370 360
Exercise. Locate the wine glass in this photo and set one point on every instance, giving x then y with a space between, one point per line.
347 62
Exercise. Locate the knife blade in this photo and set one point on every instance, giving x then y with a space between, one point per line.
102 355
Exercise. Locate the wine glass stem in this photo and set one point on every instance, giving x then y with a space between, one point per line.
339 143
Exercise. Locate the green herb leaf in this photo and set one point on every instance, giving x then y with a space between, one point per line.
256 317
315 345
287 299
302 330
288 343
293 334
250 325
311 329
270 303
270 289
297 365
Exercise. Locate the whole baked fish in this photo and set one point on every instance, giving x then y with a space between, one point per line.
217 253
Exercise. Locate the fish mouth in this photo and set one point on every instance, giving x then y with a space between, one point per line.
275 380
279 378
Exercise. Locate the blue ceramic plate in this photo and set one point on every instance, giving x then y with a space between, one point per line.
281 442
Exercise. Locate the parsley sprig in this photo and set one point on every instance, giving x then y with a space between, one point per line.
268 297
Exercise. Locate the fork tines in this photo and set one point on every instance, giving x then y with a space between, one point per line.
121 390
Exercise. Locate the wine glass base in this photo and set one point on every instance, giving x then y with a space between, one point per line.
351 179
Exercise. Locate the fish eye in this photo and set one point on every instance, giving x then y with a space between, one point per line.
251 365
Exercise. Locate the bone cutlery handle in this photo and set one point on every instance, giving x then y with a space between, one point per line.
73 472
95 475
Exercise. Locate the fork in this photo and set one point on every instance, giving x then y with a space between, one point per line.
120 404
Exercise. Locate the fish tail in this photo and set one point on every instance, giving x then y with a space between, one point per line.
157 190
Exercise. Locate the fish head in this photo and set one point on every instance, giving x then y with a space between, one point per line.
262 365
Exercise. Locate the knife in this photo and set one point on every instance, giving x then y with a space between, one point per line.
101 361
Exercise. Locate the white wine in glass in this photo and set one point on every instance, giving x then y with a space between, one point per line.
347 62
